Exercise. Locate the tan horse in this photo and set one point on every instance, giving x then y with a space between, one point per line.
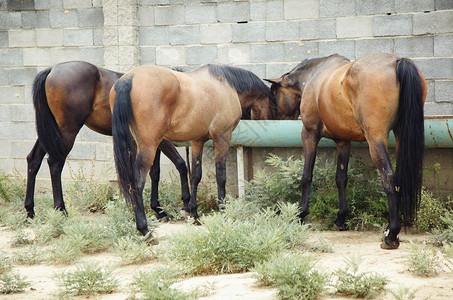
357 101
150 103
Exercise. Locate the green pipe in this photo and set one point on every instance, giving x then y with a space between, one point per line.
271 133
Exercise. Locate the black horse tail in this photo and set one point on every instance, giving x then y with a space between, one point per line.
49 134
124 147
410 129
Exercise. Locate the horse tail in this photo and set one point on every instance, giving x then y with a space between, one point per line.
49 134
124 147
410 129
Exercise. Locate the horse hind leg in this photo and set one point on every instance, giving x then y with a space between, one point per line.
34 160
56 167
380 157
343 151
197 153
154 173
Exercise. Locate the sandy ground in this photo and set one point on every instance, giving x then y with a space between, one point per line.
243 286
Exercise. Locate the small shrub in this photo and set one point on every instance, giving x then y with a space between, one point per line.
403 293
29 256
132 250
11 283
349 281
156 284
445 235
87 279
6 263
226 245
12 189
423 260
293 275
430 213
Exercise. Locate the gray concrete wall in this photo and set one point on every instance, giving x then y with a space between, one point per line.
266 37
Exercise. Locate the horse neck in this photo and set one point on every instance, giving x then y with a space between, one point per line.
258 102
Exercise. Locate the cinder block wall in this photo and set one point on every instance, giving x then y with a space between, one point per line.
266 37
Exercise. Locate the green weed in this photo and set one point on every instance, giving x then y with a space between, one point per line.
423 260
11 283
132 250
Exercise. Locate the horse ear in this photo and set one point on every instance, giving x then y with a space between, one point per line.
276 81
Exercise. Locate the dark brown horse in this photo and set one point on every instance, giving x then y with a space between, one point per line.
150 103
66 97
357 101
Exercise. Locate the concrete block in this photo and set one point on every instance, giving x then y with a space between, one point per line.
22 38
367 46
434 22
20 149
46 4
5 113
63 18
444 4
22 76
301 9
430 95
438 109
76 4
88 135
11 58
234 54
444 90
5 152
93 17
58 55
200 55
298 51
154 36
269 52
415 46
169 15
50 37
266 10
5 75
249 32
128 15
318 29
78 37
372 7
215 33
443 45
21 5
127 35
392 25
200 14
170 56
98 36
22 113
11 94
4 40
342 47
128 56
9 20
436 68
110 37
353 27
336 8
233 12
94 55
184 35
35 19
275 70
36 57
17 131
258 69
404 6
83 150
146 15
282 31
147 55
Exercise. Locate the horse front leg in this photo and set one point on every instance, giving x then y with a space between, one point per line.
169 149
221 146
197 153
380 157
310 143
34 160
343 151
154 173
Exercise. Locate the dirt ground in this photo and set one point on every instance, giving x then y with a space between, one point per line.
390 263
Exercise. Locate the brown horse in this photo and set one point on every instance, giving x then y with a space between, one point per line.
357 101
150 103
66 97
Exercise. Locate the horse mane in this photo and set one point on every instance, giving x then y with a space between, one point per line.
308 62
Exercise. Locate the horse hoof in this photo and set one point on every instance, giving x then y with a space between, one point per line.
30 214
391 246
164 219
184 213
340 228
197 222
150 240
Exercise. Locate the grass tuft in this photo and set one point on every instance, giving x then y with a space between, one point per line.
11 283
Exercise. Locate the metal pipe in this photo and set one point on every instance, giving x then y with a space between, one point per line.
271 133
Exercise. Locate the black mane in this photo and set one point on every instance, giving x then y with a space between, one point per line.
308 62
